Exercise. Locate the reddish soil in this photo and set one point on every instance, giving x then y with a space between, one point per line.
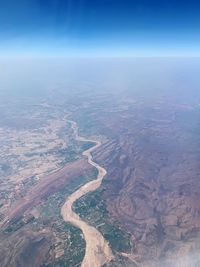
47 186
153 180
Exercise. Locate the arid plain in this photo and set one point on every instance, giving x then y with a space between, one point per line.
120 168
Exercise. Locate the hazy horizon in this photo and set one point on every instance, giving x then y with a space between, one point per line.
99 133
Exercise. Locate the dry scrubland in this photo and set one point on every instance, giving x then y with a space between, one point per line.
147 207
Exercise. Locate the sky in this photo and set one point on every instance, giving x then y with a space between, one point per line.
100 27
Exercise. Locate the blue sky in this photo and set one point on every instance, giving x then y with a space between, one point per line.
100 27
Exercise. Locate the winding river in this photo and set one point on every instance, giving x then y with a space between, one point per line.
97 250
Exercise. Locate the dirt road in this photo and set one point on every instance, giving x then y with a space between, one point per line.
98 251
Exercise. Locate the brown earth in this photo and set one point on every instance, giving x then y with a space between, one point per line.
153 180
47 186
25 248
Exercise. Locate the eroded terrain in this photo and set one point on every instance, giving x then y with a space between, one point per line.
146 209
152 185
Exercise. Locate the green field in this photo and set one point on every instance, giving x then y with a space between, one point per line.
92 208
71 237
